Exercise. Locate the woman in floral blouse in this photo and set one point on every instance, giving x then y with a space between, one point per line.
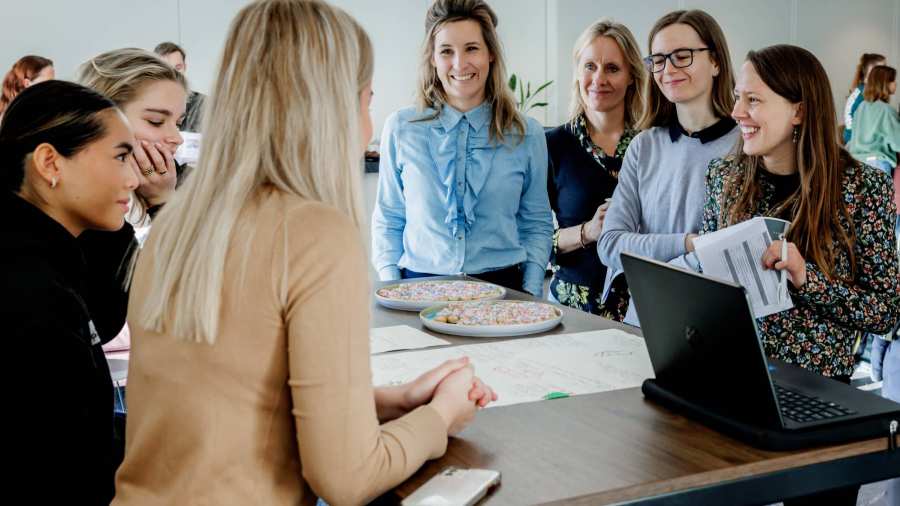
841 262
585 155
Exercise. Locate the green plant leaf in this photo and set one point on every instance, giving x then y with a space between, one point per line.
512 82
537 104
541 87
528 91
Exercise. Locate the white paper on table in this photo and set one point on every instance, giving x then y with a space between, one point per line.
525 370
189 150
400 337
735 254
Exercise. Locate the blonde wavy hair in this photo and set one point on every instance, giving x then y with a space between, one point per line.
634 97
286 109
430 92
121 75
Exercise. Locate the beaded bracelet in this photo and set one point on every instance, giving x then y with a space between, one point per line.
581 235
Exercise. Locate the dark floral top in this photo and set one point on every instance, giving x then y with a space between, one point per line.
581 178
819 331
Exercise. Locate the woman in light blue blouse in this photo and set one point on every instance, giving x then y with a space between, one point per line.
463 176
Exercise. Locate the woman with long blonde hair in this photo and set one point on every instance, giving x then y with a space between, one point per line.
585 157
249 309
462 178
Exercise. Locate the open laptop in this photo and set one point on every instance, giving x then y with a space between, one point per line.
710 365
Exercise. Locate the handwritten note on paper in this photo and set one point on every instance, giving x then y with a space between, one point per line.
525 370
400 337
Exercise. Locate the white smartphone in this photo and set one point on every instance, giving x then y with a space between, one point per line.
454 486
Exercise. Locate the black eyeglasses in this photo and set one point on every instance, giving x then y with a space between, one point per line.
680 59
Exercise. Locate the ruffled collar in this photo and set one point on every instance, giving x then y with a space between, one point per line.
478 160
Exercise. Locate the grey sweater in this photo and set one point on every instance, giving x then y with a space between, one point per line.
661 192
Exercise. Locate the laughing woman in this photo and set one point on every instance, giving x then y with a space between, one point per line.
462 180
842 263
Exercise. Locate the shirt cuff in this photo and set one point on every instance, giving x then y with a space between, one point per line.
533 279
389 273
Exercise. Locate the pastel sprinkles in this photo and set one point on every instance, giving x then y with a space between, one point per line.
497 312
440 291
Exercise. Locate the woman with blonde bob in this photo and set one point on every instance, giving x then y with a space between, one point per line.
585 157
461 186
249 379
656 208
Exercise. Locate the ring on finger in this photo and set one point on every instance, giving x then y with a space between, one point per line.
147 172
163 173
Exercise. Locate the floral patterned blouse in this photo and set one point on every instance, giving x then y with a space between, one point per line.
819 332
582 177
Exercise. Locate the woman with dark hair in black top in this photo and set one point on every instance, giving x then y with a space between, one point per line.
585 156
63 152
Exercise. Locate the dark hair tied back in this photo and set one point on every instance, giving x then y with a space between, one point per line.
59 113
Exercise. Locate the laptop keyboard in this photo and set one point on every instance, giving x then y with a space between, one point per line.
803 408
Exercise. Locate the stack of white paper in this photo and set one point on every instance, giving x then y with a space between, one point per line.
735 254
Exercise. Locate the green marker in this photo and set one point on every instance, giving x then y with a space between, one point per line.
555 395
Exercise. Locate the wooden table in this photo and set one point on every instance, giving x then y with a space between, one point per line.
617 448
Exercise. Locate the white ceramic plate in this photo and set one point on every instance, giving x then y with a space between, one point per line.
418 305
427 316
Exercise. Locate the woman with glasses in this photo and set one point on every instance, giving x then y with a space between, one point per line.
658 203
585 159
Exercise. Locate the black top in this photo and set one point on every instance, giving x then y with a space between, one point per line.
577 185
785 186
59 290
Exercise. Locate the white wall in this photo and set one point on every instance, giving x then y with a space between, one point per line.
537 35
836 31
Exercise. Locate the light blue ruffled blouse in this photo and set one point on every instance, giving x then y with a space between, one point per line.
452 201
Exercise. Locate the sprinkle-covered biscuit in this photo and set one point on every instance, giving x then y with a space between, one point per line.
498 312
440 291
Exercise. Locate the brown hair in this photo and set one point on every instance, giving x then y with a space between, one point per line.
164 48
634 97
878 86
817 206
866 61
430 92
659 111
28 67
